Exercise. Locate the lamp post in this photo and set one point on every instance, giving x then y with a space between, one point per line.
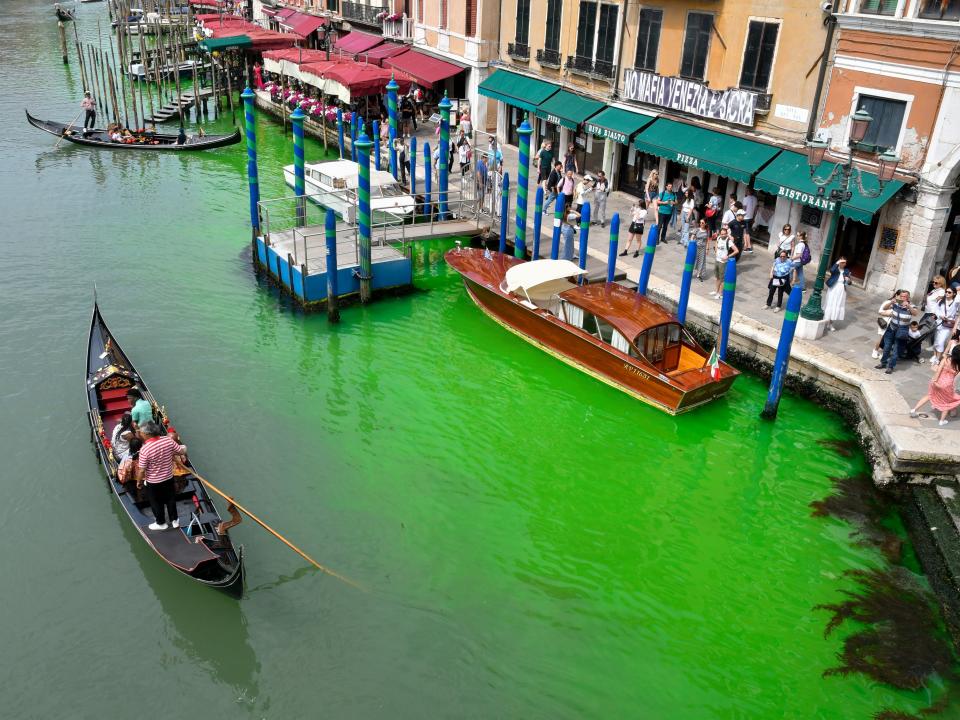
844 171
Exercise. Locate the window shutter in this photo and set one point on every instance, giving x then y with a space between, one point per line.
585 29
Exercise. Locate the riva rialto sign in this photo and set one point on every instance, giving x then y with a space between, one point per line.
732 106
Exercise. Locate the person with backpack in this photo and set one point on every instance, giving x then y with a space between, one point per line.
801 257
666 201
553 185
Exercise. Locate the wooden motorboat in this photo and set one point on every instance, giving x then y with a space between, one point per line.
605 329
334 185
162 142
200 548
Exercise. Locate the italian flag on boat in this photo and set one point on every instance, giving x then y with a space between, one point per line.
714 363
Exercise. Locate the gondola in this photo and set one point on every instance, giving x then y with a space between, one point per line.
63 15
153 141
200 548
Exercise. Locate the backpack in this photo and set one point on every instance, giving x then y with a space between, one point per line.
805 256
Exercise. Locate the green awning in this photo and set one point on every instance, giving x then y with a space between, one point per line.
618 124
224 43
517 90
567 109
789 176
698 147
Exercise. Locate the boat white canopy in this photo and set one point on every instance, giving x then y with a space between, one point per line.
541 278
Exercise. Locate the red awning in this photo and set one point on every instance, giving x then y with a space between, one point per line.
357 42
261 39
302 24
378 54
425 69
211 18
284 13
266 11
296 55
365 79
208 3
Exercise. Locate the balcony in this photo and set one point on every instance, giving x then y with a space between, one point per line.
588 66
519 51
361 13
401 29
549 58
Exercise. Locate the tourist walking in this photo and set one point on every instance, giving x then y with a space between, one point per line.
897 333
637 214
652 187
155 470
836 300
738 230
567 233
724 248
666 201
90 112
567 186
482 173
688 214
947 310
601 191
713 211
941 393
463 151
582 192
700 237
749 213
545 160
553 185
801 257
570 160
779 283
785 240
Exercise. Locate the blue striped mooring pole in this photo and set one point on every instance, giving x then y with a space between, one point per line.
537 222
392 89
427 181
299 179
504 209
557 220
523 172
413 166
353 136
340 145
614 242
443 174
363 215
782 361
376 144
726 305
333 310
584 239
686 281
253 182
649 250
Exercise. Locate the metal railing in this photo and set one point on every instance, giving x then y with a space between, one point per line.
401 29
361 12
549 58
589 66
520 51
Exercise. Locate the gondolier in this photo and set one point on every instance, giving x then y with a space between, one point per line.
155 470
90 110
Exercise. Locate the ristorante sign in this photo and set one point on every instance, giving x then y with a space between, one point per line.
732 106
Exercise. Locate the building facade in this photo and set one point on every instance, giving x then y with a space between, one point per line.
900 61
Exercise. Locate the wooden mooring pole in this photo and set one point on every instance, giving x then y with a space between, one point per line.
63 42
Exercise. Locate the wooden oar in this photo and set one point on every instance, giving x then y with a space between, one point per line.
62 136
279 537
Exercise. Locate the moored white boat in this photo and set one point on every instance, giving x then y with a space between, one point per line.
185 69
333 184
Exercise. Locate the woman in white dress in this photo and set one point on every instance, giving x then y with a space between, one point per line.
946 311
836 302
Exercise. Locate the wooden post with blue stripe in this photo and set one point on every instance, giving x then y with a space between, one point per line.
413 166
333 291
376 144
443 174
363 215
504 210
726 305
646 268
340 145
353 136
782 361
392 89
537 222
584 239
686 281
614 241
253 182
523 180
299 181
557 220
427 181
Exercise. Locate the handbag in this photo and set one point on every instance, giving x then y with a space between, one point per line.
711 211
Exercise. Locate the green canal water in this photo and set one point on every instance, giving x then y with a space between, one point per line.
533 543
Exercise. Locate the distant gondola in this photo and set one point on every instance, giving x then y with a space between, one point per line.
62 13
154 141
200 548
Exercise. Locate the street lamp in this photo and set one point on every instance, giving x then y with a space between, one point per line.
859 124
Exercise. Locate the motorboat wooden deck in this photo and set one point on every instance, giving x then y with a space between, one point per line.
604 329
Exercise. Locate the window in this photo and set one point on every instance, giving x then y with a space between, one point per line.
597 34
887 114
420 11
696 45
648 39
758 55
554 14
878 7
586 29
470 29
443 14
940 10
607 33
523 22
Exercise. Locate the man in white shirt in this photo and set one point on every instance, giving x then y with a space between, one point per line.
749 212
730 213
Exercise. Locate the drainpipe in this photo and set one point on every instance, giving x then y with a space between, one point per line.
831 22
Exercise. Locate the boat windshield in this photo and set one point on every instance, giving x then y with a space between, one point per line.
661 345
598 327
392 190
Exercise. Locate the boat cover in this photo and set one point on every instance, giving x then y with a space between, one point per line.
542 278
